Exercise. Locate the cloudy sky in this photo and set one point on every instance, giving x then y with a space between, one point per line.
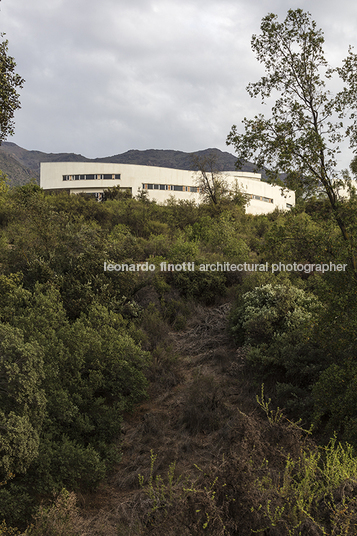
106 76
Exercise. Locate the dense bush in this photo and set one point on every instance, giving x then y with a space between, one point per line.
277 324
68 386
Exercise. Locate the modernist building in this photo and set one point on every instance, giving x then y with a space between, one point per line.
159 183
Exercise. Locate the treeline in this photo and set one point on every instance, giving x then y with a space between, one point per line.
76 346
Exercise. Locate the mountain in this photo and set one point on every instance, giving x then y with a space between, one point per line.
21 165
15 171
10 153
174 159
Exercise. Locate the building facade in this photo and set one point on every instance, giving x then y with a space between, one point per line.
159 183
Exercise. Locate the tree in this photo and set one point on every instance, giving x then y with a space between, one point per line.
9 98
302 137
209 179
22 400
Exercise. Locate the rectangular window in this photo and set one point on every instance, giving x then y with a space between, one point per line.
193 189
150 186
162 186
178 188
95 176
156 186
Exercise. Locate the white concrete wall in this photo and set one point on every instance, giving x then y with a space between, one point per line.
132 176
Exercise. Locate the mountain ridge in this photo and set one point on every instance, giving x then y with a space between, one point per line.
20 165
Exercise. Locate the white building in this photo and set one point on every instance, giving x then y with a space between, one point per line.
160 183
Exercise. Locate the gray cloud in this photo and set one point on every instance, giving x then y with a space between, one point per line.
105 77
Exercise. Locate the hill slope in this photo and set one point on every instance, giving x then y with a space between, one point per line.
17 173
209 462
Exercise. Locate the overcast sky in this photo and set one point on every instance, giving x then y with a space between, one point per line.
106 76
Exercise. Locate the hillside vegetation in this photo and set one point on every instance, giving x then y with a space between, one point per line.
174 402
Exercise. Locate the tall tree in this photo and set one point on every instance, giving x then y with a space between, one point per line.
10 81
209 179
302 137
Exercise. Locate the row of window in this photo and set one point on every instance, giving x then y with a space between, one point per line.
260 198
194 189
170 187
91 177
166 187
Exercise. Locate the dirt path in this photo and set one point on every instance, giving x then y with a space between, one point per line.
192 420
183 422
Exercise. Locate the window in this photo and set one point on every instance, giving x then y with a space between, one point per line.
91 177
170 187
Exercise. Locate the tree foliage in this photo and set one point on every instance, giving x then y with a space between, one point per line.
302 137
213 187
209 179
22 401
10 82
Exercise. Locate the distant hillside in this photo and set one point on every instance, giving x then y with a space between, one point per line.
21 165
30 160
174 159
17 173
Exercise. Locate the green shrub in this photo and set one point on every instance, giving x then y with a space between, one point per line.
277 324
270 312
